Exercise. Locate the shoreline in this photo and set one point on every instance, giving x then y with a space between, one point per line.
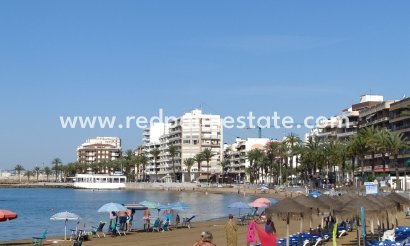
188 188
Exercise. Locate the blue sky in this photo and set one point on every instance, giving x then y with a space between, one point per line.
133 57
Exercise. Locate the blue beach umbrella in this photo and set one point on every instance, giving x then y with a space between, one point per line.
239 206
109 207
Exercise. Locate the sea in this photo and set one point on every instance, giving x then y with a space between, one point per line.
35 206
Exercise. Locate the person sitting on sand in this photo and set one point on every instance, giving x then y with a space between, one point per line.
206 239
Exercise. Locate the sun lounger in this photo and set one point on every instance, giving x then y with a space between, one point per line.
39 240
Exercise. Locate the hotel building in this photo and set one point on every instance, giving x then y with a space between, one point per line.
99 149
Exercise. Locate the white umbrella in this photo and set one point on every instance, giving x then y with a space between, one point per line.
66 216
109 207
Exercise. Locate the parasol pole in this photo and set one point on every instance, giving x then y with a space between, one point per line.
287 229
65 230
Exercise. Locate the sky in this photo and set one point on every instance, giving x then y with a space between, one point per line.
131 58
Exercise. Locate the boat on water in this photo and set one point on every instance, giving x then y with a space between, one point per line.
99 181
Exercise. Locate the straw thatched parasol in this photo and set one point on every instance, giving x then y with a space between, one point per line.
333 203
315 205
289 208
398 198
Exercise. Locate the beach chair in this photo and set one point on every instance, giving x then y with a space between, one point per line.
165 226
120 229
98 230
39 240
157 225
187 221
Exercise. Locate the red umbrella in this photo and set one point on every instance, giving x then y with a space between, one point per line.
7 215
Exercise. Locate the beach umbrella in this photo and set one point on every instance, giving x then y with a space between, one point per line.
7 215
66 216
155 205
110 207
331 202
179 206
289 208
135 206
239 206
398 198
151 205
258 205
313 203
266 200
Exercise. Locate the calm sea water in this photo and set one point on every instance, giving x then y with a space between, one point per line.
35 206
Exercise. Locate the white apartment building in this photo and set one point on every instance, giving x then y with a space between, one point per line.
153 133
191 133
236 156
99 149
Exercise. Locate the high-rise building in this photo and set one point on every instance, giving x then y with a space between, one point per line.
99 149
191 134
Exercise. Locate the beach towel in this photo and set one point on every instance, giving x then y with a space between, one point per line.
265 238
251 233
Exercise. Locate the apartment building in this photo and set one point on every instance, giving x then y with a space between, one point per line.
190 133
99 149
345 124
235 155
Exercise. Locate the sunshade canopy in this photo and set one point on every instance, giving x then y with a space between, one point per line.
111 207
7 215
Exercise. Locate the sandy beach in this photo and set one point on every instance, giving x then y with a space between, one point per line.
185 236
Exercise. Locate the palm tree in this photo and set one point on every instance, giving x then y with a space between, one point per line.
272 152
173 152
395 144
253 157
207 154
47 172
37 171
189 162
19 168
224 164
28 174
357 145
155 153
293 141
127 161
143 160
199 158
56 163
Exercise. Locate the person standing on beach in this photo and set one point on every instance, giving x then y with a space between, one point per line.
231 229
269 226
147 219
